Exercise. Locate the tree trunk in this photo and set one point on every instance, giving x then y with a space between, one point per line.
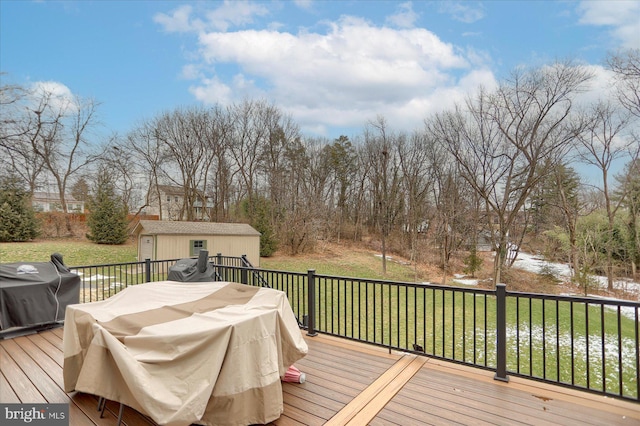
384 254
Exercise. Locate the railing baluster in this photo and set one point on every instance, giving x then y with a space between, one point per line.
544 340
518 334
586 334
620 365
573 360
557 341
603 351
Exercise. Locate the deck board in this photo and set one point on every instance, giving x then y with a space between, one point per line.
336 374
339 372
432 397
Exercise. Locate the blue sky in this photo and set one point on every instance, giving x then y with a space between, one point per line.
331 65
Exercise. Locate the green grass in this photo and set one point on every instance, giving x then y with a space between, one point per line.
75 253
355 264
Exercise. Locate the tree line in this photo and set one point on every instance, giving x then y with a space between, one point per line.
498 169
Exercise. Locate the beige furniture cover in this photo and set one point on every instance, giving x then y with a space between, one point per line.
209 353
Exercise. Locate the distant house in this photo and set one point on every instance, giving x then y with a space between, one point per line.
161 239
50 202
168 202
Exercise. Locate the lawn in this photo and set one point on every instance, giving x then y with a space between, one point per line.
337 261
75 253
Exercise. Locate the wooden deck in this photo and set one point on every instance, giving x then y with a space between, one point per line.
347 383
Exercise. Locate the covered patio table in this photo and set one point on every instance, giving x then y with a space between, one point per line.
181 353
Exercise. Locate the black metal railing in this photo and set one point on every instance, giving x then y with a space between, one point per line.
579 342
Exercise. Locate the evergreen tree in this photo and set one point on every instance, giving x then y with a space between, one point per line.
630 179
473 262
107 219
17 218
261 211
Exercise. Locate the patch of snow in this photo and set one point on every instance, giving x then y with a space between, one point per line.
97 277
466 281
563 272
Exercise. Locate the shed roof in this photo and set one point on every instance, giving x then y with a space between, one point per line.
163 227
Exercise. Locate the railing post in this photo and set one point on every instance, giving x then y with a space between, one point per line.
244 275
311 302
219 268
147 270
501 333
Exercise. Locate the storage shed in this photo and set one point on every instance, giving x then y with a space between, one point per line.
158 240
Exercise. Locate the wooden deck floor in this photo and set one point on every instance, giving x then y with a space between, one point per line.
347 383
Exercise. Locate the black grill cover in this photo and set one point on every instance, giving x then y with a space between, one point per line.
193 270
34 293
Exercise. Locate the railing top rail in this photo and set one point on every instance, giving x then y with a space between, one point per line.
410 284
570 298
140 262
247 268
103 265
567 298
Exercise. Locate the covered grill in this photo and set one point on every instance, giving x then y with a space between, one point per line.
193 270
36 293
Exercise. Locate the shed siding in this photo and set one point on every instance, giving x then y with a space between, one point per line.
177 246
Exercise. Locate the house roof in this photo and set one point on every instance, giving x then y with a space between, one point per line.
52 196
175 190
171 189
164 227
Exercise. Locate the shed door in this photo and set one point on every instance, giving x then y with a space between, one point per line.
146 247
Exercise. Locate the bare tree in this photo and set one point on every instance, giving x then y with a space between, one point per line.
416 155
249 133
319 189
123 170
186 135
149 154
503 141
386 180
19 128
602 144
567 185
11 103
221 181
626 68
339 169
453 207
60 138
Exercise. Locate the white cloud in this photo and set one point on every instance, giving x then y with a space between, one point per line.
236 13
304 4
463 12
191 72
622 16
228 14
179 21
599 87
212 90
405 17
343 77
59 97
